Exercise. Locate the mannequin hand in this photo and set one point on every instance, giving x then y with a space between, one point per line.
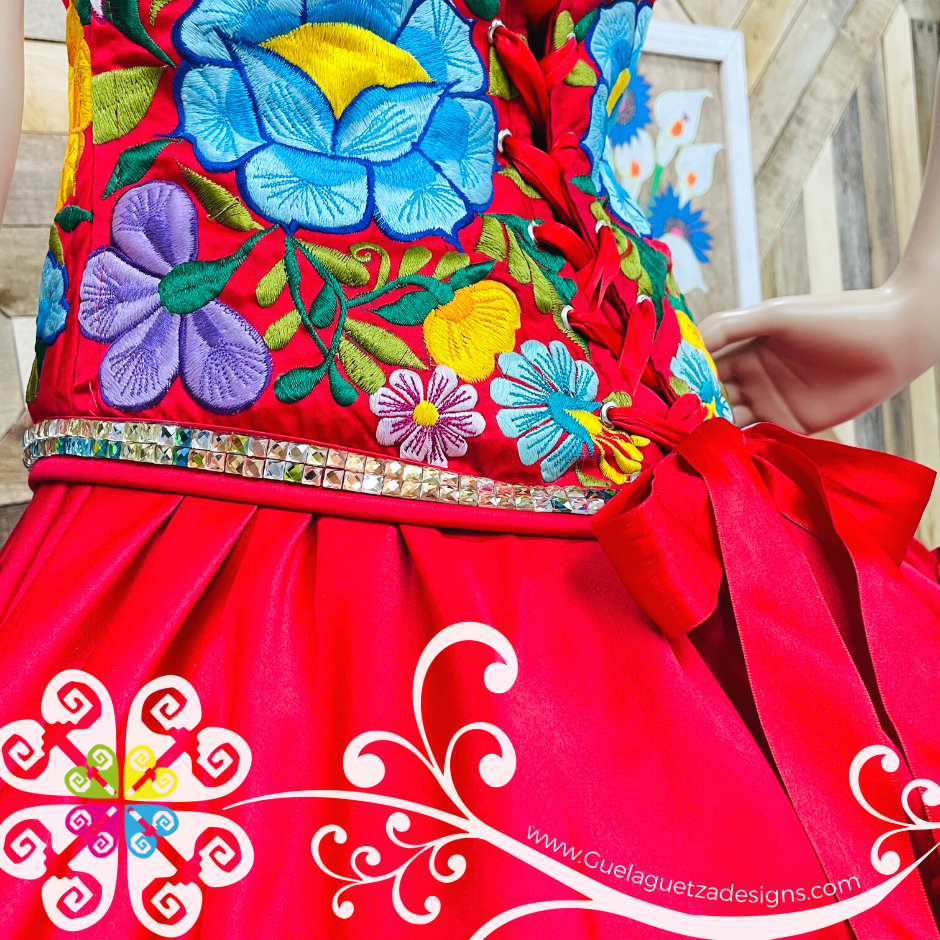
808 363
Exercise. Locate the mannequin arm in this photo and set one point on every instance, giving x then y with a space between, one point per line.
811 362
11 91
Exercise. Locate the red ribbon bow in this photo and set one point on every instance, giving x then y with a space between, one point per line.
809 536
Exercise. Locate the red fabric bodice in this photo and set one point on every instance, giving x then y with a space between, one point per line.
386 228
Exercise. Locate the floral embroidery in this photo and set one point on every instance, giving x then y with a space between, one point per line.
550 406
467 333
691 366
429 427
614 42
172 855
79 102
222 361
53 306
633 113
336 114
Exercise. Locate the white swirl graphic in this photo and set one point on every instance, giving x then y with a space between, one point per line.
366 770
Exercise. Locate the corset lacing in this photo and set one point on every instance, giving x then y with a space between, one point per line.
587 243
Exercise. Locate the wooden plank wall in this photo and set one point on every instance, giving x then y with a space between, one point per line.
24 235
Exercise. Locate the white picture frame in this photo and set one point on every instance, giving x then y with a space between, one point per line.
726 48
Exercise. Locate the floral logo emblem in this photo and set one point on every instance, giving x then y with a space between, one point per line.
172 855
335 114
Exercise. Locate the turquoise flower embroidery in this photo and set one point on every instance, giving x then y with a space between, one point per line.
691 365
53 307
545 392
334 113
614 42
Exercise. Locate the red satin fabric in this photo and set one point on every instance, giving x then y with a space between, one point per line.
840 651
301 631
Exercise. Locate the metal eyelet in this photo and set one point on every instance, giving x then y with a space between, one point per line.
500 137
492 30
570 36
531 230
641 297
601 223
605 413
564 316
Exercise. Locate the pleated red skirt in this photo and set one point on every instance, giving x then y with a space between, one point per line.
613 752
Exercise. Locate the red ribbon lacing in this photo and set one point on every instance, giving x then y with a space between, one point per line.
588 244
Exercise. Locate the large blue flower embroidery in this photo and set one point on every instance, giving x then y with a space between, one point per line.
691 365
338 112
544 393
614 42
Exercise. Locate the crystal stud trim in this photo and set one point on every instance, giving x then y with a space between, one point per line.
258 458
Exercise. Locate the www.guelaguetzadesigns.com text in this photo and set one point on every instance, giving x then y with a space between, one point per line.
769 897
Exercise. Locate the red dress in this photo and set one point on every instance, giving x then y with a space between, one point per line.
392 570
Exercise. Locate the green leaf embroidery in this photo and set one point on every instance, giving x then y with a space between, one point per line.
343 392
120 99
410 310
363 251
564 27
70 217
581 76
500 85
55 245
83 9
518 263
155 7
583 25
385 346
221 206
546 297
510 172
323 308
282 330
596 483
134 164
193 284
471 275
449 263
671 286
679 387
124 15
345 269
574 336
296 384
492 241
413 260
270 286
585 184
484 9
362 371
619 398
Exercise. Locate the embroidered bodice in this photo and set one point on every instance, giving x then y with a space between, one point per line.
380 225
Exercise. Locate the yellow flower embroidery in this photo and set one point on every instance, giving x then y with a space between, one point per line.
79 101
468 333
611 444
690 334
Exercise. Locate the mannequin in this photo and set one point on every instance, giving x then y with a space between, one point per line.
11 83
811 362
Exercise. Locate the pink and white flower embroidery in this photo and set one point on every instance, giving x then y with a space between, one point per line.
72 848
429 427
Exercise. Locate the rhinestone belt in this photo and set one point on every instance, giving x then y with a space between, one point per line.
261 458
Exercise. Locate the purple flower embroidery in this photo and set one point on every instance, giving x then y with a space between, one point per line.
430 428
222 361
